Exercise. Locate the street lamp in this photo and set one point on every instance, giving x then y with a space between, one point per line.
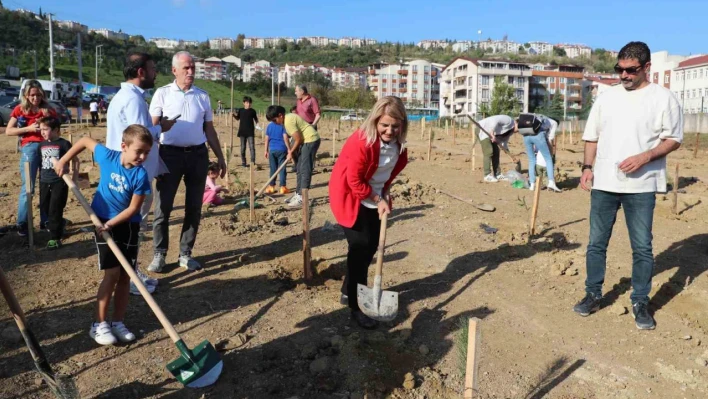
97 56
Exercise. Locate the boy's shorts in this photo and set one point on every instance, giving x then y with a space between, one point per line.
126 237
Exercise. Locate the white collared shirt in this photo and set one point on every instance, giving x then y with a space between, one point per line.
193 105
128 107
387 161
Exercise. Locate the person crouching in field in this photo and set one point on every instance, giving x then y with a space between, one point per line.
212 190
370 160
121 190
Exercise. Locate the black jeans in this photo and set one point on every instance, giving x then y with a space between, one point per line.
363 240
306 164
52 201
94 117
252 145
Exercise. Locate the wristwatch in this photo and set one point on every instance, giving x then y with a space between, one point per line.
586 167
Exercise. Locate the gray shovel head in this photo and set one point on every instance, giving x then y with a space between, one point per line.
377 304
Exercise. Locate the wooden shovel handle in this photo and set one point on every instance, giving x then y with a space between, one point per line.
258 194
124 262
382 244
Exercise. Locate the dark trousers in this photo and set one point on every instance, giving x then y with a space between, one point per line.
363 240
251 145
490 152
639 214
192 166
94 117
52 201
306 164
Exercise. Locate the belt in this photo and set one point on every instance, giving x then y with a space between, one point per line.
183 149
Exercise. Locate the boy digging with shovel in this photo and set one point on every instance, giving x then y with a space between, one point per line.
121 190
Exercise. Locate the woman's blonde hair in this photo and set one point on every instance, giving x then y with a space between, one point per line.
26 105
391 106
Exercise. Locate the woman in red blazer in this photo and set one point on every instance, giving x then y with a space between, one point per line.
358 190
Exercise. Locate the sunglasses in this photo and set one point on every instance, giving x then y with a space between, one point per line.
630 71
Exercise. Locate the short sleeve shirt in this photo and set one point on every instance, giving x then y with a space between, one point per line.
51 150
294 123
117 184
275 134
29 119
247 120
308 108
193 105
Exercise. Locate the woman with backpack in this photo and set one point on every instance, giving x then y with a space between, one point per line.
538 132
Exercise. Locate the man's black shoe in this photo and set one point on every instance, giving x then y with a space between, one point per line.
642 318
363 320
589 304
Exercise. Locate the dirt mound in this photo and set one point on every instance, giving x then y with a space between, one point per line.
237 223
412 192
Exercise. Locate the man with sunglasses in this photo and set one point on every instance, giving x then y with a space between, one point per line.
630 130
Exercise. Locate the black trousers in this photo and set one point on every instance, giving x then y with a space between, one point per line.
52 201
94 117
252 146
363 240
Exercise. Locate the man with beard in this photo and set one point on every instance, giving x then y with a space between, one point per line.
630 130
186 156
128 107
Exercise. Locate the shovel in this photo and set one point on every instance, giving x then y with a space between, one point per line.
517 162
195 368
377 304
62 386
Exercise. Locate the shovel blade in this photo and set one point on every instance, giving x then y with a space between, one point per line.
485 207
196 368
387 308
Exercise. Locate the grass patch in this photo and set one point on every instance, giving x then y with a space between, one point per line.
460 343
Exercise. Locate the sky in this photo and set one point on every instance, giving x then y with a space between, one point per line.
677 26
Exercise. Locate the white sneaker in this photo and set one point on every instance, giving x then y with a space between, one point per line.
490 178
158 263
290 198
295 203
121 332
552 186
146 280
295 198
134 289
502 178
532 186
189 263
101 333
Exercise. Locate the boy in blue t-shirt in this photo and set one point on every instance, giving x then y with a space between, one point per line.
121 190
277 144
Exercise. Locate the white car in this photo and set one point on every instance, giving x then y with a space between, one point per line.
351 117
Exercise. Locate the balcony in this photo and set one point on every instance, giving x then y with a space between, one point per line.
402 90
372 72
434 72
403 72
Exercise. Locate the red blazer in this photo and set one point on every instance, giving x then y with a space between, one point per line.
349 183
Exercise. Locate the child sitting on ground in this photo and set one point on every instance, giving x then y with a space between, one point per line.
277 147
53 192
212 190
121 190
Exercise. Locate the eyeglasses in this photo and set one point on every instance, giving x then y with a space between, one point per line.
630 71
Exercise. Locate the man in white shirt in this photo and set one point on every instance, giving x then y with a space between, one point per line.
630 130
500 129
93 109
186 156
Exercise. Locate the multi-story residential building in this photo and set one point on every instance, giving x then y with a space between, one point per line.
349 77
576 50
73 26
211 68
346 41
289 71
232 59
597 85
221 43
468 83
250 69
540 48
164 43
613 53
499 46
461 47
110 34
428 44
190 43
662 66
317 41
552 80
690 84
415 82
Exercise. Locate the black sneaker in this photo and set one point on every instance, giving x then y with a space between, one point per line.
642 318
44 226
22 230
589 304
363 320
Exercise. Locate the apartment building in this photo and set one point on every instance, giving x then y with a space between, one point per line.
73 26
190 43
428 44
164 43
349 77
221 43
462 46
467 83
576 50
551 80
211 68
415 82
110 34
662 67
289 71
689 83
250 69
318 41
540 48
232 59
499 46
597 85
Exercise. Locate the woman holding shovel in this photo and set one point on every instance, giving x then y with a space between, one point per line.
370 160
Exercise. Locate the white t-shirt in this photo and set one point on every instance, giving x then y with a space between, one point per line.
193 105
93 106
496 125
387 161
626 123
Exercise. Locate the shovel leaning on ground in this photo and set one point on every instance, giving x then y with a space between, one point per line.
195 368
62 386
377 304
517 162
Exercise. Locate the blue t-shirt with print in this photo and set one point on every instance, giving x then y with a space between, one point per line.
275 134
117 184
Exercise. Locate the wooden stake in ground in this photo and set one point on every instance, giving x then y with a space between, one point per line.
473 343
231 145
675 189
422 128
306 255
565 138
534 209
226 160
334 143
474 152
698 143
30 219
430 143
447 128
252 200
454 137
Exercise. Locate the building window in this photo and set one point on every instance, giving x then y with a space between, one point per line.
415 86
700 73
469 81
383 85
666 78
485 80
485 94
695 74
414 95
694 93
415 68
427 69
700 92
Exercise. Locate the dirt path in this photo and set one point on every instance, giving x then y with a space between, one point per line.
299 341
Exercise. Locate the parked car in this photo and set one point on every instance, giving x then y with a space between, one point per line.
6 110
9 89
351 117
62 112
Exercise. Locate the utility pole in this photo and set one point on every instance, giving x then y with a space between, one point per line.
97 62
79 106
51 54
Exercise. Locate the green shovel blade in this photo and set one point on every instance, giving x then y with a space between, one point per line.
196 368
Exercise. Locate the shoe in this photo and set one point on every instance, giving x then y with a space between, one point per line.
344 299
189 263
642 318
158 263
490 178
363 320
22 230
44 226
101 333
270 190
295 203
245 165
121 332
552 186
502 178
290 198
135 291
589 304
284 190
145 279
532 186
53 244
